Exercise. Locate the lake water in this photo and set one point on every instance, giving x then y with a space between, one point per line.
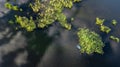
57 46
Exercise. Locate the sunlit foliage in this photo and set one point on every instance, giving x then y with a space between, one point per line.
106 29
114 38
26 23
103 28
99 21
51 11
90 41
12 7
114 22
47 12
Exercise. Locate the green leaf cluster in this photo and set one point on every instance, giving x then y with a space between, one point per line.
106 29
47 12
103 28
90 41
26 23
114 22
114 38
99 21
12 7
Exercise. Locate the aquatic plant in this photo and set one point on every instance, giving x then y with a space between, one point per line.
90 41
99 21
26 23
47 12
114 38
114 22
105 29
12 7
52 11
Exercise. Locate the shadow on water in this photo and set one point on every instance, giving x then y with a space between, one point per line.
38 41
19 48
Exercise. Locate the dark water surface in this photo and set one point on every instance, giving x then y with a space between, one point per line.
85 13
56 47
